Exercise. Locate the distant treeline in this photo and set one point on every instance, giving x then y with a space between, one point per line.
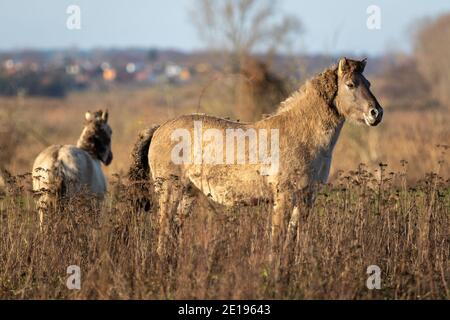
55 83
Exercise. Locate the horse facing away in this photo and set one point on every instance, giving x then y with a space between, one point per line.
309 124
65 170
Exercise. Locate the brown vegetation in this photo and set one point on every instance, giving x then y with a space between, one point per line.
260 91
10 136
359 221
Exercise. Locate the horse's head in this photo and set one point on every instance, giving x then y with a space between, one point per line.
96 137
354 100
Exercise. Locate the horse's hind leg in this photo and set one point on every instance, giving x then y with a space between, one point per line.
43 205
164 209
184 210
41 219
169 198
291 236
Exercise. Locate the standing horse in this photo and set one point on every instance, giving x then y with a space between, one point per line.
308 126
65 170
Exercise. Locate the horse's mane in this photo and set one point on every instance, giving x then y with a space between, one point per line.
324 84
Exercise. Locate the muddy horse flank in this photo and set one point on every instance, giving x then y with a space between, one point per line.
307 126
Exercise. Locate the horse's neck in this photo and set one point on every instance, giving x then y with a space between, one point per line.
319 131
335 137
310 123
83 144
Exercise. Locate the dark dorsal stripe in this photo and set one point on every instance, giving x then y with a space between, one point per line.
95 140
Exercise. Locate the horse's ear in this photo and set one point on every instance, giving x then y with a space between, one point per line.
105 116
363 64
343 66
89 116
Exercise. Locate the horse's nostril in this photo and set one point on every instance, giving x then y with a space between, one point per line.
374 113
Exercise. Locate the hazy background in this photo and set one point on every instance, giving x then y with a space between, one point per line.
330 26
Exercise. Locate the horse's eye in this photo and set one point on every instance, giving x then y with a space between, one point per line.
351 85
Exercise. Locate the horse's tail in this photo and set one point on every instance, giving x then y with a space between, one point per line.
139 172
49 183
140 169
56 179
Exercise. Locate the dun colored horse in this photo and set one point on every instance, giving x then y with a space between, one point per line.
65 170
304 132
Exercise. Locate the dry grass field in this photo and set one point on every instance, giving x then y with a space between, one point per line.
358 222
395 216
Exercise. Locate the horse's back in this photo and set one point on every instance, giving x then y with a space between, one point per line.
44 166
70 165
163 141
222 182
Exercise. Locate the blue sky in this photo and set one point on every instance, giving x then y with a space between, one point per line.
330 26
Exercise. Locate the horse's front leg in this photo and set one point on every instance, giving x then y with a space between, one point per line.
297 219
303 202
293 225
282 205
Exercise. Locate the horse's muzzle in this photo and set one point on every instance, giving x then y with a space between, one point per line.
109 159
374 117
379 117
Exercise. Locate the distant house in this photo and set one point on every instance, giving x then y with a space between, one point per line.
172 71
109 73
176 73
185 75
